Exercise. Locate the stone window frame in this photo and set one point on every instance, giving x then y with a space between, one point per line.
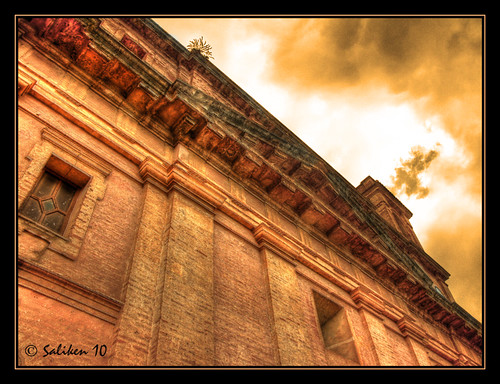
58 147
63 176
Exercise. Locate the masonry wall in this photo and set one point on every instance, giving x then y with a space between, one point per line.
72 294
244 333
170 260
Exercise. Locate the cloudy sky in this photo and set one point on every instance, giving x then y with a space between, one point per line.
399 99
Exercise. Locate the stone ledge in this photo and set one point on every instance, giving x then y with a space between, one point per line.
84 299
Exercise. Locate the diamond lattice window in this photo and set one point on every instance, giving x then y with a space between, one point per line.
50 202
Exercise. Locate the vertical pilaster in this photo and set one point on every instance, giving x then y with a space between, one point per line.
420 352
380 344
186 328
287 306
168 313
415 337
135 333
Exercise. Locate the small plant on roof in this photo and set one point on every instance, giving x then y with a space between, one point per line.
201 46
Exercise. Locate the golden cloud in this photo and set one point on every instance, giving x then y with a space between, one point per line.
436 63
407 178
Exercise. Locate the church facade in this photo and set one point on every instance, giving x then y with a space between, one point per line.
166 219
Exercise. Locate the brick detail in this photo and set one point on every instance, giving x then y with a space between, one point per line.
243 325
186 324
379 341
289 321
168 316
139 320
421 354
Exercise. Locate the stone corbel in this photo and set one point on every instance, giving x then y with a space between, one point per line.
24 84
409 328
463 361
182 178
441 350
367 299
266 237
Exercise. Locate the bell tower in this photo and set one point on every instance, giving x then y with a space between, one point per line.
389 207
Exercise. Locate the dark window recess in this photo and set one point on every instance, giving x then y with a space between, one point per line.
335 328
50 202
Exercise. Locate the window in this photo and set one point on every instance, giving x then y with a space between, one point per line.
50 202
54 195
335 328
438 290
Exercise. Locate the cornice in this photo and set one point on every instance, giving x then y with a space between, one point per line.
77 296
110 48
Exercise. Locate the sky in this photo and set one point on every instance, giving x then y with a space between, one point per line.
399 99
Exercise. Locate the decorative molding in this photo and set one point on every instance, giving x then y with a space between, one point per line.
75 149
409 328
365 298
67 244
60 289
